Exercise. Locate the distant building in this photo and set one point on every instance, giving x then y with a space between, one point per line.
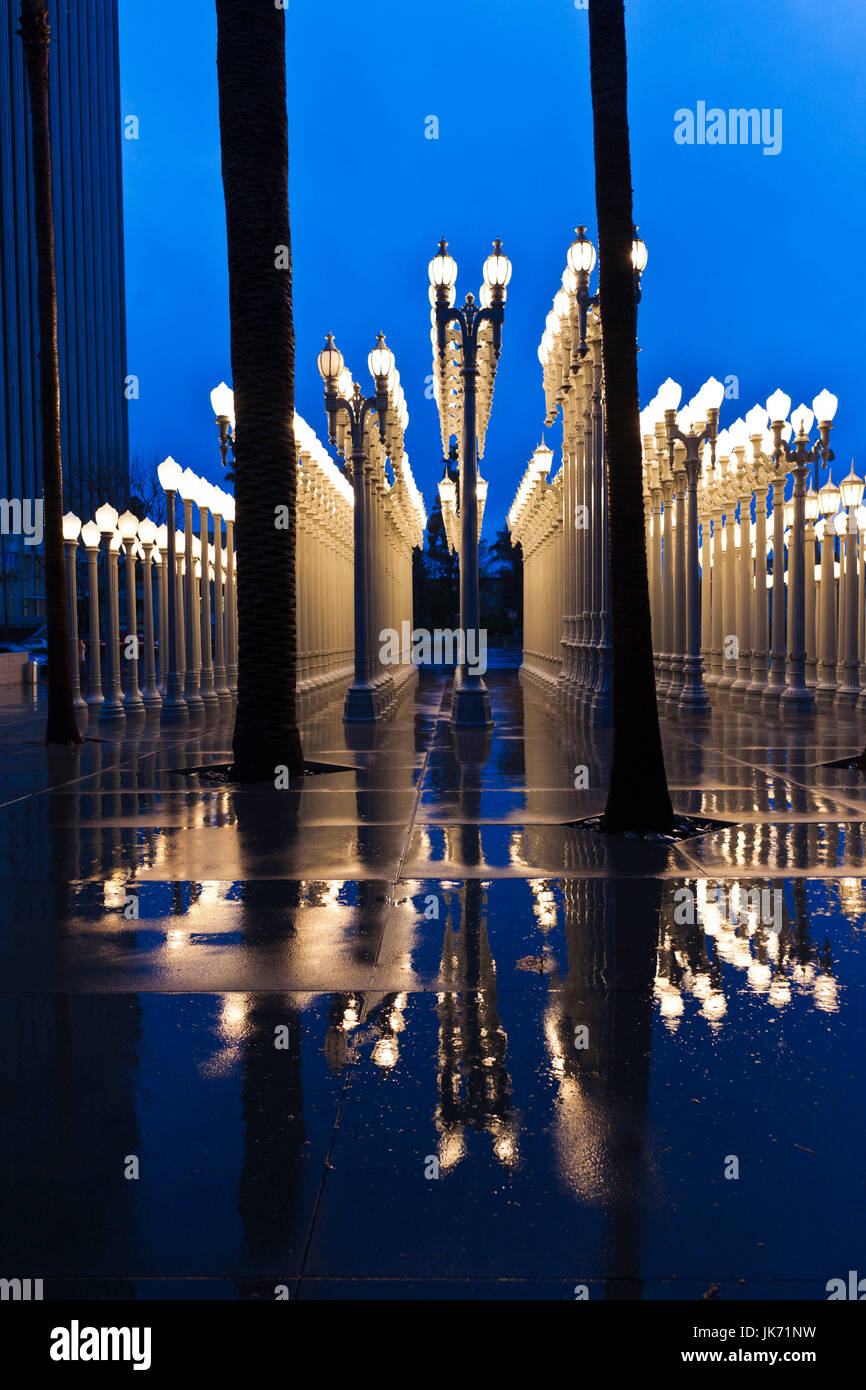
88 226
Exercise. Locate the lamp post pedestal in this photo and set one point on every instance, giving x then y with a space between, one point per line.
174 707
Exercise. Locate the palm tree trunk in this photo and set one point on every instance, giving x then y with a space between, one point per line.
251 66
637 794
36 35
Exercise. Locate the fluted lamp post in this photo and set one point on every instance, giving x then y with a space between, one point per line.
851 489
799 456
210 698
150 695
470 706
71 531
188 489
363 698
174 708
90 539
112 710
222 399
703 425
133 704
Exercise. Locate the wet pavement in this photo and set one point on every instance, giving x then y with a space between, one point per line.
403 1032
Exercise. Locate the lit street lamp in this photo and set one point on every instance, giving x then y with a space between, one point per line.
346 408
90 539
478 353
71 532
174 708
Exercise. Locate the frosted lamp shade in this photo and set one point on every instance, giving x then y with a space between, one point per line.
712 393
581 253
147 531
824 406
162 537
169 474
344 383
828 499
116 541
840 523
778 406
127 525
639 254
71 527
851 489
561 306
90 534
497 268
723 444
222 399
381 359
484 296
756 419
812 505
330 360
188 485
669 395
802 418
788 512
229 512
106 518
443 268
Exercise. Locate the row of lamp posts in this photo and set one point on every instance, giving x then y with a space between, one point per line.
189 667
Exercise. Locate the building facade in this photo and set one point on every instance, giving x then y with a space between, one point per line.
91 320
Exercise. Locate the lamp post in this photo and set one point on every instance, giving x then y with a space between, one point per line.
71 532
151 698
702 428
209 696
222 399
90 539
365 697
851 489
132 702
799 456
112 710
218 501
231 597
470 707
188 489
174 708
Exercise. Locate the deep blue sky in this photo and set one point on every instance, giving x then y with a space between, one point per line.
755 261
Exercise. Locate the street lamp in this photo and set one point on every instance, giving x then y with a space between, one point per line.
798 456
851 489
188 489
174 707
151 698
127 525
475 335
112 709
222 399
90 538
702 426
71 531
367 696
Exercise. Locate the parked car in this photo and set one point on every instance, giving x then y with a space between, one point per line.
38 642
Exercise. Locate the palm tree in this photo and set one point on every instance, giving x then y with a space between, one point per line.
638 796
251 67
35 32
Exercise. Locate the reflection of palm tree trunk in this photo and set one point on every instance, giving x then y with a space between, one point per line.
637 796
611 931
251 64
36 34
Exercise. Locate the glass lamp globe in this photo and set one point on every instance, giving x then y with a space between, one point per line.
756 419
162 537
106 518
824 406
330 360
639 255
344 383
851 489
222 399
802 419
188 485
381 359
812 505
485 296
116 541
840 523
443 268
147 531
778 406
712 393
90 534
127 525
497 267
71 527
669 395
581 253
561 306
788 512
169 474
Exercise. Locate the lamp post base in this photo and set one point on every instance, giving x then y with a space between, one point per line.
363 705
797 699
470 705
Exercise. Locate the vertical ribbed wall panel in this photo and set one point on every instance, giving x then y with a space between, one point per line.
86 136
